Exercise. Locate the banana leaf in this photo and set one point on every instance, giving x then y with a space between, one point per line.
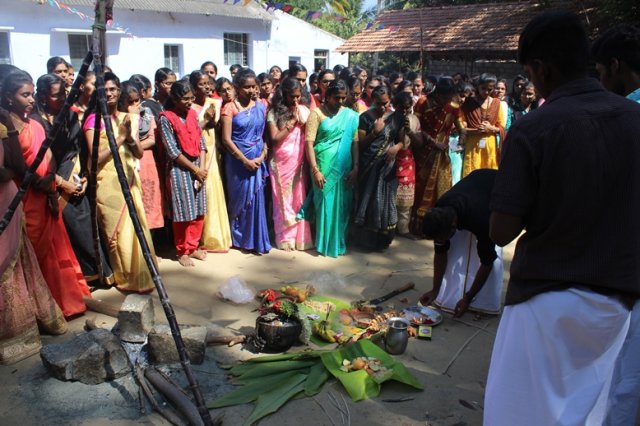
241 380
271 401
269 368
359 384
304 354
318 374
251 391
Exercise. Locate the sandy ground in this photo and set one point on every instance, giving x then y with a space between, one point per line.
452 366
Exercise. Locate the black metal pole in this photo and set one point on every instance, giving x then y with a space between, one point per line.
99 29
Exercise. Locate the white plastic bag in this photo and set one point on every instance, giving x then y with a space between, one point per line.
236 290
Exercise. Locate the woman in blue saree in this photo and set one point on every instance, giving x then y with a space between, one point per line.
243 122
332 151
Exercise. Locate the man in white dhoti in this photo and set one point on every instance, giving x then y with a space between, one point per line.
617 57
570 177
464 276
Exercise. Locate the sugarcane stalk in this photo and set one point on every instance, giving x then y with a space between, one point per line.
179 400
99 28
53 134
144 385
93 191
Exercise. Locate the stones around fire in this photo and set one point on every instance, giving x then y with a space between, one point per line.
136 318
90 358
163 349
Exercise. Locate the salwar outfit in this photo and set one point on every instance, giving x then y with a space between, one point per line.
182 136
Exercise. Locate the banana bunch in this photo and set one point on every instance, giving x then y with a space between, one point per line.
323 330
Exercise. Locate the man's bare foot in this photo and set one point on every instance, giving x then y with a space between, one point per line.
199 254
185 260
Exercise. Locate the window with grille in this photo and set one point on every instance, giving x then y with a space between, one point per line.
172 57
236 49
79 45
320 59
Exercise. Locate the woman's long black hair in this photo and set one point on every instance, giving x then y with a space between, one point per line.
281 109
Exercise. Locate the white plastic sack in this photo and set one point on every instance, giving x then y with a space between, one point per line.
236 290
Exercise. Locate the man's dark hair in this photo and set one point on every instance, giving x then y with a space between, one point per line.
621 42
437 222
556 38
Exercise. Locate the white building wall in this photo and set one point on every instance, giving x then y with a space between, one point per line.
200 37
293 37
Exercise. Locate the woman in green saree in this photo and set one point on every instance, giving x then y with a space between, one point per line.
332 151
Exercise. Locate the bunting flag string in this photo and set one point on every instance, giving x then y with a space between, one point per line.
311 15
72 10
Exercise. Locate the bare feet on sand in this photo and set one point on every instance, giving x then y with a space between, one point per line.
185 260
199 254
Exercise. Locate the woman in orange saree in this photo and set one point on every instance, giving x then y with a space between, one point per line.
438 117
44 224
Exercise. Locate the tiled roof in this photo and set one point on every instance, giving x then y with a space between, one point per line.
492 27
193 7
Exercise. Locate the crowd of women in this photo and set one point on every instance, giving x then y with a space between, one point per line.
303 161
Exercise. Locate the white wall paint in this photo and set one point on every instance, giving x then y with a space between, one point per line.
201 38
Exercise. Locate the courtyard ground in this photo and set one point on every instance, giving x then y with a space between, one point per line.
452 367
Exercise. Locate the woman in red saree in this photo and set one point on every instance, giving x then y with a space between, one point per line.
438 117
44 224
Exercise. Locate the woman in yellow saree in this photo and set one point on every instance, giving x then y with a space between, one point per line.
216 235
125 254
483 118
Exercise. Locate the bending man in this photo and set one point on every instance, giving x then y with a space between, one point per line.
473 279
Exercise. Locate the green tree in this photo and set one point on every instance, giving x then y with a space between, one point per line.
350 10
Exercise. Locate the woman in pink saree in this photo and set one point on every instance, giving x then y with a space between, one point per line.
288 169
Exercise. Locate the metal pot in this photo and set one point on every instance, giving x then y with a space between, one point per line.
279 334
397 337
